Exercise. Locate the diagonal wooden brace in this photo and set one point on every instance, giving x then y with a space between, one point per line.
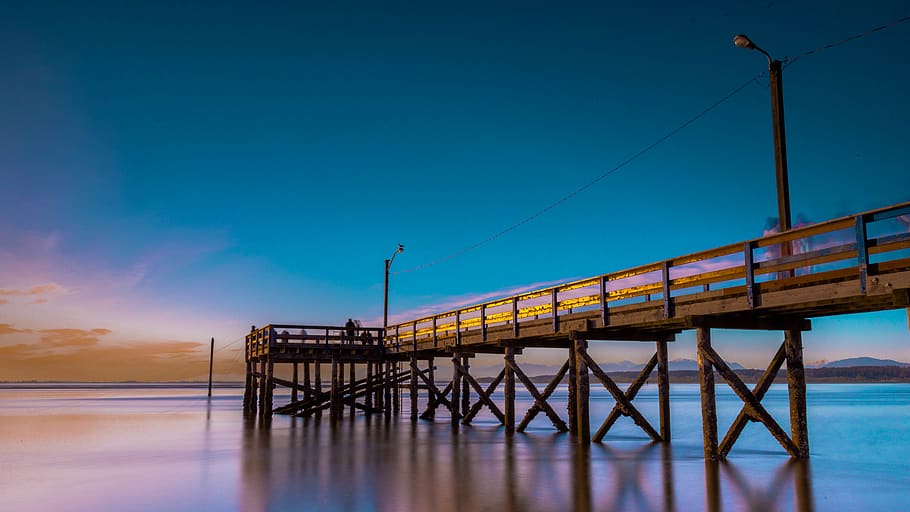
535 409
489 392
753 407
744 416
620 398
538 400
440 396
630 395
483 397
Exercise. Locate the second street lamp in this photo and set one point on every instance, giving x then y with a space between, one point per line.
780 136
385 302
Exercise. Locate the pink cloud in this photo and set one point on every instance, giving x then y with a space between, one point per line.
41 289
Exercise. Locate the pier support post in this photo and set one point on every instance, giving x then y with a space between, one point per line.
334 402
706 385
412 388
294 387
456 390
369 396
572 402
430 413
263 381
582 392
663 390
318 377
396 389
307 390
796 385
270 387
387 386
352 376
465 387
248 391
509 391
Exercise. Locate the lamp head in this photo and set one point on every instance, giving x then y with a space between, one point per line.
400 248
743 41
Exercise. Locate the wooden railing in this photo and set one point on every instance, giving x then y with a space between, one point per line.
260 341
850 247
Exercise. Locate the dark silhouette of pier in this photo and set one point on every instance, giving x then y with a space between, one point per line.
853 264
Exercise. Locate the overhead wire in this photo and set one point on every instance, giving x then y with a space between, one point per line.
786 62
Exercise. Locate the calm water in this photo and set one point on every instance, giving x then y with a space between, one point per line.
173 449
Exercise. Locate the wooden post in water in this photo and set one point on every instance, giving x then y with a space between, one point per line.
456 389
334 391
269 387
294 388
708 403
796 385
396 390
431 397
465 387
663 390
317 369
352 376
413 386
509 391
248 387
262 384
572 402
582 392
211 362
387 383
307 390
368 399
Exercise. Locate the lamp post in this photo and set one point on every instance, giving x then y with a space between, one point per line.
385 302
780 137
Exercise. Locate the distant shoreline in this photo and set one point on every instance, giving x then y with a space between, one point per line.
847 375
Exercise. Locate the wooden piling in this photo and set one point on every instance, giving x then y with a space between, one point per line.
708 402
387 387
334 392
465 387
456 389
796 385
352 377
572 403
294 388
262 383
368 399
582 392
247 388
317 368
307 390
396 391
663 390
430 413
509 390
412 387
269 388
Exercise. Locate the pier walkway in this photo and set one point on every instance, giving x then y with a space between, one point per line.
853 264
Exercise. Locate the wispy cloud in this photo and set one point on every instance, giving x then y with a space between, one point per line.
41 289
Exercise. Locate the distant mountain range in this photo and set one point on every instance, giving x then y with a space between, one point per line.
859 361
676 365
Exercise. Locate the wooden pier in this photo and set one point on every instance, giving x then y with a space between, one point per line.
853 264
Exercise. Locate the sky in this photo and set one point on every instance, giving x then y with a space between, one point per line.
173 172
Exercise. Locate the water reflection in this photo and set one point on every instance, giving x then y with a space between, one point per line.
381 464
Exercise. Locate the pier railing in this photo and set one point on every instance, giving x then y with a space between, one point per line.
855 247
260 341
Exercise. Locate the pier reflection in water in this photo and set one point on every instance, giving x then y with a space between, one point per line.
391 464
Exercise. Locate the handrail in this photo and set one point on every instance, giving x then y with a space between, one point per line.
731 263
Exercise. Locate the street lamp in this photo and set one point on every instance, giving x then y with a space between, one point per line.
780 138
385 303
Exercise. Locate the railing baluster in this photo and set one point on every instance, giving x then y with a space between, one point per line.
458 327
604 314
750 274
862 252
555 306
435 336
665 273
483 322
515 317
414 335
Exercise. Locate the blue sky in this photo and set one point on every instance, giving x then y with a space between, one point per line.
176 172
